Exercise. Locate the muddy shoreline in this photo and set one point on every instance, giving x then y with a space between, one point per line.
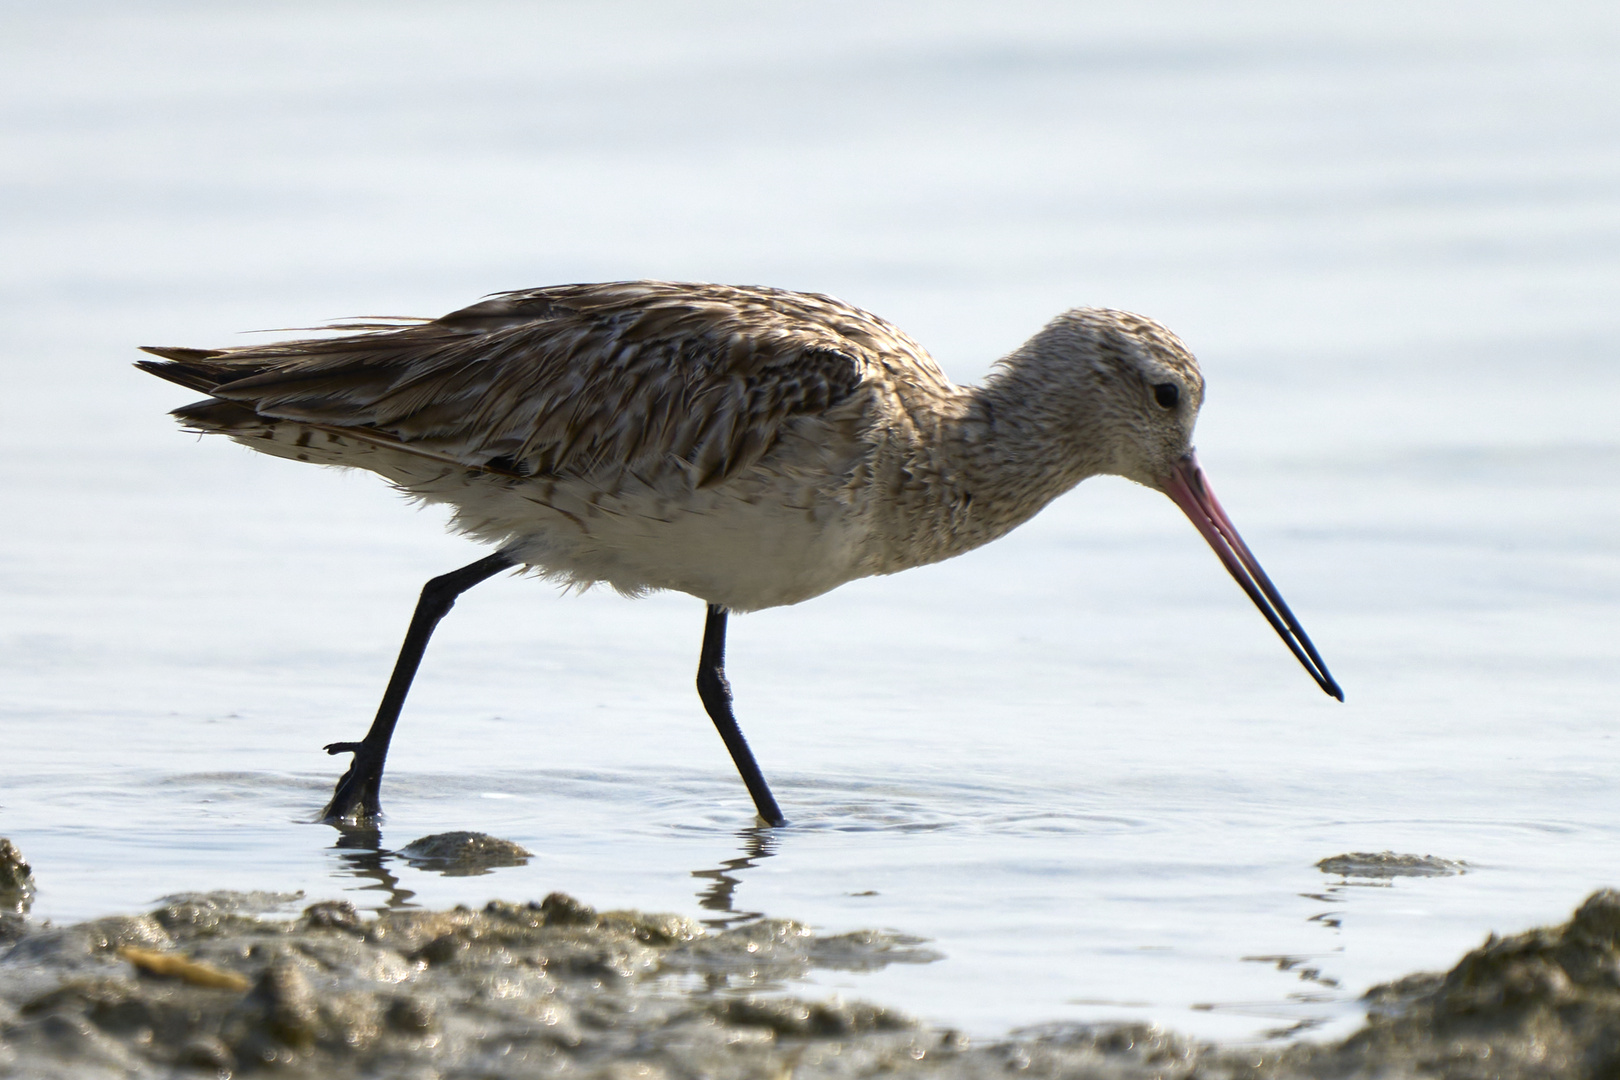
226 984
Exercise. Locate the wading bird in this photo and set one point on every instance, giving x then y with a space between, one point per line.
750 446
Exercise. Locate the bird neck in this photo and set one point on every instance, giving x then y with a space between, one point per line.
999 453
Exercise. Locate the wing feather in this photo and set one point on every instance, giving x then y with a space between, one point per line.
640 376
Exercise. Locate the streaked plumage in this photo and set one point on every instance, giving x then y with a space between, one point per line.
750 446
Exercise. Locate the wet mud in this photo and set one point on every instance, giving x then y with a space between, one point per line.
463 854
16 880
1387 864
237 984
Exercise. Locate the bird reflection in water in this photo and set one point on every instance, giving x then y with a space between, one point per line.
360 851
361 855
759 844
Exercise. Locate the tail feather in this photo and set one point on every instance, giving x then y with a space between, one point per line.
207 370
176 352
217 415
195 369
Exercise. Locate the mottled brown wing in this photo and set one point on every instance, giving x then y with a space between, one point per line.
572 379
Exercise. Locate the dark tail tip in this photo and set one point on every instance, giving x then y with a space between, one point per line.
173 352
191 368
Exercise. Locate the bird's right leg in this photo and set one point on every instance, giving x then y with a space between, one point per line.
356 796
715 691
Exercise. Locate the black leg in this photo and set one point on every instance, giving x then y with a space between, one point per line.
355 797
716 694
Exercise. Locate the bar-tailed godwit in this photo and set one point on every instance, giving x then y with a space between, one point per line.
750 446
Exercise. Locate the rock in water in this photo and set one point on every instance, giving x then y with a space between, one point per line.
1387 864
463 854
16 880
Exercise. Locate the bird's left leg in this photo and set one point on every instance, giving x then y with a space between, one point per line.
356 796
715 691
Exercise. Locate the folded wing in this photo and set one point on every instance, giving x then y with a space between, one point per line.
566 380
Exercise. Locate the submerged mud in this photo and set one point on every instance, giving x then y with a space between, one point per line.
1387 864
463 854
16 880
219 984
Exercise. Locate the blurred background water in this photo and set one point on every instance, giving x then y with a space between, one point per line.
1077 759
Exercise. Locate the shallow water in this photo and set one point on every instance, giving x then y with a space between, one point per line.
1077 760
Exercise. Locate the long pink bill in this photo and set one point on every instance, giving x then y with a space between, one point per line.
1187 487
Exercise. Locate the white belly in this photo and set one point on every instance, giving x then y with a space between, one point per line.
741 554
772 536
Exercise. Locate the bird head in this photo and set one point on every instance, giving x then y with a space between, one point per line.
1125 391
1125 394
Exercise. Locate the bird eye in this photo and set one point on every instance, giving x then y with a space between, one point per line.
1167 394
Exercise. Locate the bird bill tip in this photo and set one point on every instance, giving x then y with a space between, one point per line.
1188 489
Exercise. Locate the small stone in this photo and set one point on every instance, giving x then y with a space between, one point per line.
444 949
333 914
1387 864
412 1014
16 880
560 909
463 854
